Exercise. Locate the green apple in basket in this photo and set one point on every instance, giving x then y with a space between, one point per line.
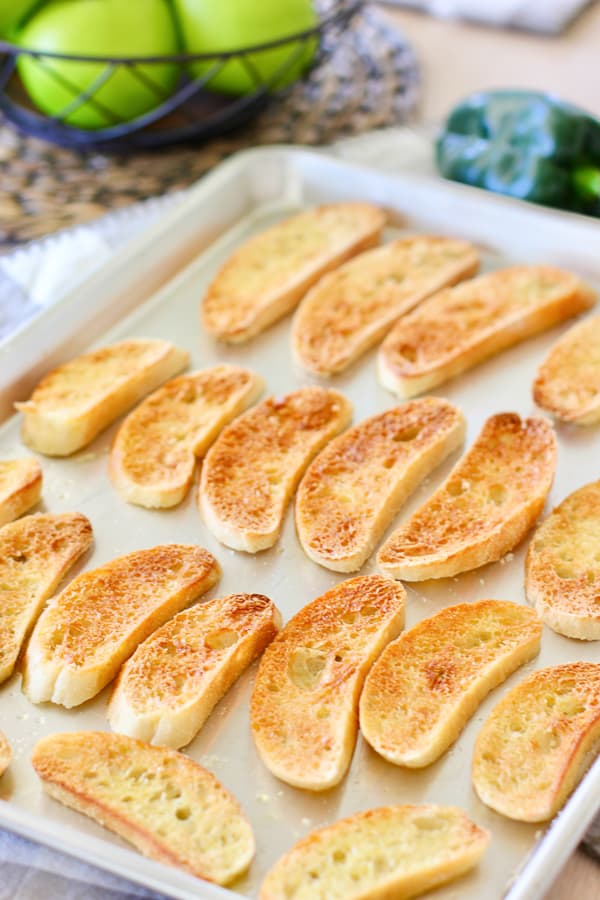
213 26
12 12
99 28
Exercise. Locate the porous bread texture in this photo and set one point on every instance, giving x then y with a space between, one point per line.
567 383
484 508
95 624
168 688
393 851
352 308
164 803
427 684
538 741
20 487
356 485
461 326
5 754
563 566
269 274
154 453
36 552
251 471
76 401
304 706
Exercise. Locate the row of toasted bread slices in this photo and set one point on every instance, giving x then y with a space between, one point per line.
420 690
177 812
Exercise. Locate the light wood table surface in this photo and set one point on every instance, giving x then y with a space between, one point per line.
458 58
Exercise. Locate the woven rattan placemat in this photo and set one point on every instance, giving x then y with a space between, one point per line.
368 79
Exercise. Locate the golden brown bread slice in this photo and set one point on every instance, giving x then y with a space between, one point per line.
391 852
20 487
168 688
164 803
251 471
485 507
427 684
5 754
461 326
563 566
538 741
36 552
352 308
304 705
268 275
154 454
76 401
356 485
567 383
89 630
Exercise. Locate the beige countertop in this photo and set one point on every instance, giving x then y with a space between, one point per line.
458 58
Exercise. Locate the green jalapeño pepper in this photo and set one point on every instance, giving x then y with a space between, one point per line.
526 144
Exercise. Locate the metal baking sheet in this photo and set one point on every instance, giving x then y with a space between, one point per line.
244 196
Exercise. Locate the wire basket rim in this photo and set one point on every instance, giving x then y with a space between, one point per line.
344 10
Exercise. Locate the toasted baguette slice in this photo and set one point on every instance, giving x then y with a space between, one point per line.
154 454
350 310
567 383
76 401
165 804
36 552
304 706
484 508
356 485
89 630
251 471
461 326
168 688
563 566
427 684
538 741
5 754
269 274
393 851
20 487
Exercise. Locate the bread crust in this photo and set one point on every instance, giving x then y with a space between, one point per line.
567 383
485 507
251 471
390 853
20 487
428 683
95 624
538 741
79 399
303 711
5 754
350 310
168 688
563 566
461 326
197 825
352 490
266 277
154 453
36 552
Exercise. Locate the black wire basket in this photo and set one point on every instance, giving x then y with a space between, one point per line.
192 111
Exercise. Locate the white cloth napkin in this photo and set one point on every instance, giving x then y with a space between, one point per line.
550 16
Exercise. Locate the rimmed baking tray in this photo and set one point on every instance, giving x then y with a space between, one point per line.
241 197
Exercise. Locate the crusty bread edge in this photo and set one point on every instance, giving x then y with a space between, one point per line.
426 462
5 754
23 498
165 496
286 302
513 332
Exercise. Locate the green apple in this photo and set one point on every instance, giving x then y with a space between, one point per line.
101 28
12 12
212 26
